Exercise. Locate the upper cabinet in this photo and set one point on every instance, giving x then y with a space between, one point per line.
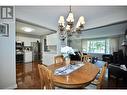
52 39
27 40
27 43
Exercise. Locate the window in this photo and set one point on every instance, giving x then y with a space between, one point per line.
97 46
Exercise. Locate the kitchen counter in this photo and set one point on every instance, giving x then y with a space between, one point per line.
50 52
27 56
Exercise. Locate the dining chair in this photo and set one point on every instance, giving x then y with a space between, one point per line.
87 58
98 82
58 59
45 77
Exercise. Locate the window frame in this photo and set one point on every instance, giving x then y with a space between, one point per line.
107 49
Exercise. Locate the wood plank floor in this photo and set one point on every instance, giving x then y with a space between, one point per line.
27 77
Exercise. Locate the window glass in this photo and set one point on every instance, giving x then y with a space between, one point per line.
97 46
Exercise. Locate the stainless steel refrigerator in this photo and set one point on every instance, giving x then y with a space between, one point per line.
36 51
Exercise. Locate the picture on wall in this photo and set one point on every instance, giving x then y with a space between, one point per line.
4 29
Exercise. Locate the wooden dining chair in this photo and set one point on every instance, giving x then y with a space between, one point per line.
59 59
98 83
87 58
45 77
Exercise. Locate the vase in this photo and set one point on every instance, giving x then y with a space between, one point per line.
67 61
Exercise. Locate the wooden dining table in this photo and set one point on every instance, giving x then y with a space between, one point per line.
76 79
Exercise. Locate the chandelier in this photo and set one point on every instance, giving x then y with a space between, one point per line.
69 28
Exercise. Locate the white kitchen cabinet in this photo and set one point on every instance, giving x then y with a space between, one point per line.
27 43
52 39
27 40
27 56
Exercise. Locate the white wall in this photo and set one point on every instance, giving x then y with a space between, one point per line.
48 58
7 57
76 44
84 44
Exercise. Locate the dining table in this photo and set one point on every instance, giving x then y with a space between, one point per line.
74 75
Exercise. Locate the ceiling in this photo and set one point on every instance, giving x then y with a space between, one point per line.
37 30
113 30
47 16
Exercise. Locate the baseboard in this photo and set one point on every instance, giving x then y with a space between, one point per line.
12 86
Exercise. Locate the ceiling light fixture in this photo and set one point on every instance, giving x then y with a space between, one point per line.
70 24
27 29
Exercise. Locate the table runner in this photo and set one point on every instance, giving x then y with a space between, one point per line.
67 69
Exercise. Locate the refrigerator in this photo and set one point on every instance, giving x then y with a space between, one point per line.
36 51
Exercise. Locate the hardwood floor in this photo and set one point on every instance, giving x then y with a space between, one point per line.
27 77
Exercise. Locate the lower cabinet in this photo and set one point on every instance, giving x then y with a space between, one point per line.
28 56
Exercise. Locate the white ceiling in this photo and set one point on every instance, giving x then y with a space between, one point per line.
37 30
48 16
106 31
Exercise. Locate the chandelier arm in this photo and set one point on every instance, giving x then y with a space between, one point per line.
69 29
70 9
62 35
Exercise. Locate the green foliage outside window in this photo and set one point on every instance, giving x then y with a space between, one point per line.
96 46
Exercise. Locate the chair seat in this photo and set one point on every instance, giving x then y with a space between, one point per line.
95 82
91 86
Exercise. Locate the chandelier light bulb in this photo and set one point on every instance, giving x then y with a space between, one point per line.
70 17
82 21
61 20
81 18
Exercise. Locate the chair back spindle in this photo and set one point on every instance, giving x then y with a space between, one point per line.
59 59
45 77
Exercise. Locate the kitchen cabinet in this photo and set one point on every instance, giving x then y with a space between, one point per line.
52 39
27 43
27 40
27 56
